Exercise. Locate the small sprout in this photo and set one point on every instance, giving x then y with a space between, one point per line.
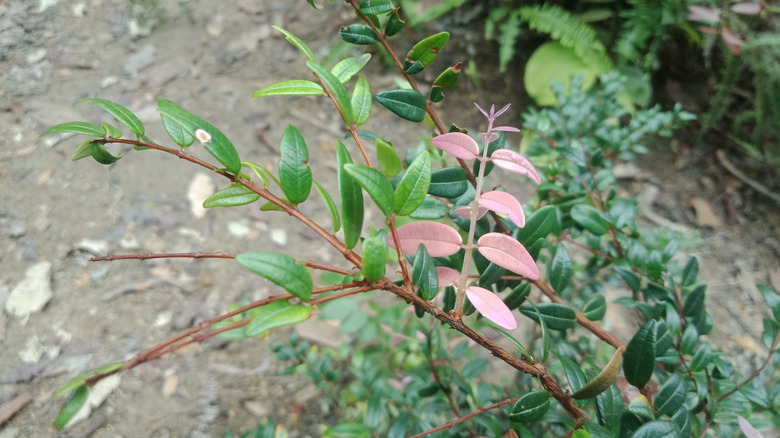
202 136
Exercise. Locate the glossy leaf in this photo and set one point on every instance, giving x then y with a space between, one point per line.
336 87
178 134
83 151
545 333
332 209
375 7
279 313
440 240
595 308
101 155
425 52
511 161
351 198
772 300
574 374
219 146
389 161
504 203
447 276
413 187
424 273
658 429
234 195
394 24
297 42
491 307
361 101
112 131
457 144
357 34
347 430
407 104
447 79
670 396
121 114
71 407
375 184
530 407
690 272
84 128
294 170
294 87
374 258
346 68
560 269
279 269
639 359
556 316
508 253
449 182
539 225
702 358
589 218
605 378
517 296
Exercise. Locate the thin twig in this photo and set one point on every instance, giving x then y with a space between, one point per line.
724 161
466 417
757 372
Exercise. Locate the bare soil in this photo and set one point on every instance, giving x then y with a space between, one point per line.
210 57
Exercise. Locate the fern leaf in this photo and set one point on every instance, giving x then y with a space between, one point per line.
510 29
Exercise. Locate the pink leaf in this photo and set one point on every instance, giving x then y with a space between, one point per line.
504 203
703 13
440 240
514 162
506 129
744 426
483 137
447 276
465 212
457 144
508 253
733 41
747 8
491 307
708 30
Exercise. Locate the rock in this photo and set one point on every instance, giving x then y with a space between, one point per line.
239 228
139 60
95 247
12 225
201 188
279 236
32 293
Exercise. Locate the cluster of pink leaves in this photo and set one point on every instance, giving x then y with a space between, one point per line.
710 15
442 240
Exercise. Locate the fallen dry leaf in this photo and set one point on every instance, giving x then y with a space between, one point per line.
705 214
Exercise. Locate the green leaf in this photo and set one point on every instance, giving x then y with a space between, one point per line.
389 162
639 359
375 184
690 272
542 222
702 358
279 269
425 52
219 146
332 209
83 151
545 333
530 407
595 308
604 379
431 209
410 192
375 7
424 273
357 34
374 258
232 196
101 155
407 104
517 296
556 316
84 128
449 182
347 430
658 429
640 407
295 87
670 396
112 131
361 102
297 43
560 269
589 218
336 87
261 172
772 299
71 407
446 80
394 24
121 114
574 374
294 171
346 68
276 314
178 134
474 368
683 421
351 198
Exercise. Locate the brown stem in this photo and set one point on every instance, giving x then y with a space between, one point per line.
401 257
466 417
168 255
757 372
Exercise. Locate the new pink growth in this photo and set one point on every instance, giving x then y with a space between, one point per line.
504 203
440 240
514 162
457 144
447 276
491 307
508 253
465 212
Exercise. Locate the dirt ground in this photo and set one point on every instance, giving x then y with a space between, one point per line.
210 57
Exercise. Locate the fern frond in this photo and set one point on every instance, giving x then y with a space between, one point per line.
565 28
510 29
